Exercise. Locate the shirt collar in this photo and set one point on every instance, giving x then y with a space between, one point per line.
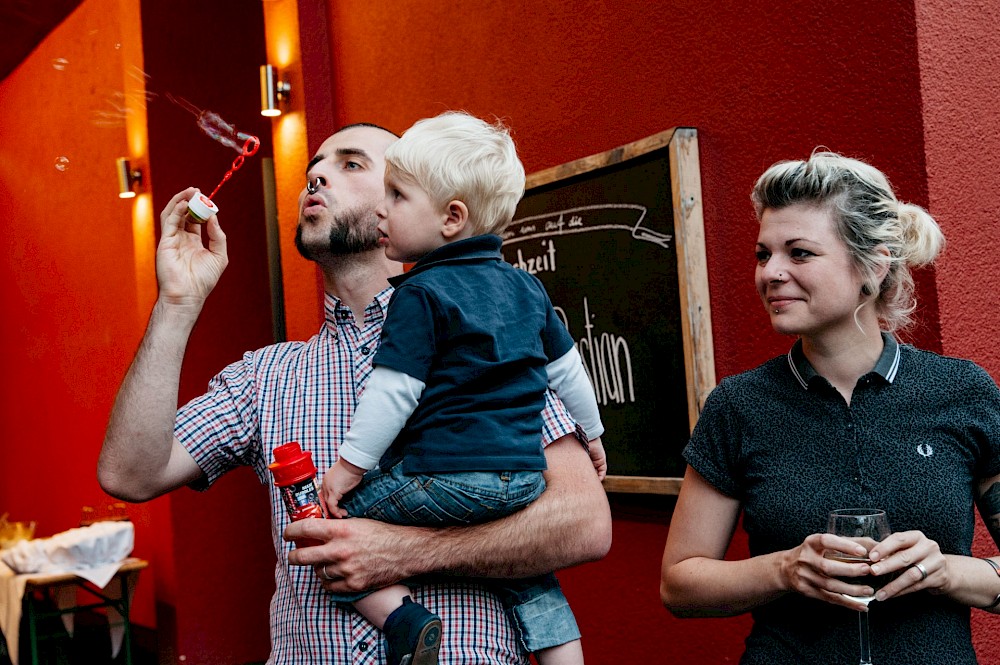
336 313
477 248
886 367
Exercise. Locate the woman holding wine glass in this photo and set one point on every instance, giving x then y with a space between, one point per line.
850 418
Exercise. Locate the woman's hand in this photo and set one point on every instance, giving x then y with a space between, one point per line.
697 580
916 558
807 570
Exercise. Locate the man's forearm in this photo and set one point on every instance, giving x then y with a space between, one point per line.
569 523
138 459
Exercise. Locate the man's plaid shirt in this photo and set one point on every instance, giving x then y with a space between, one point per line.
307 392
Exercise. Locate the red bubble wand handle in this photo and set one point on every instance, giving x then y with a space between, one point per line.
249 148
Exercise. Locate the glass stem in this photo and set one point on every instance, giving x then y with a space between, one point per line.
866 645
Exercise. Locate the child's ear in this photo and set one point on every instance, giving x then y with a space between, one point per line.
456 219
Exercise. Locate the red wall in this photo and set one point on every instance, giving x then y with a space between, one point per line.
761 82
76 285
959 87
68 277
220 545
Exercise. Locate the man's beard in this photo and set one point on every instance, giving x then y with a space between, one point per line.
353 231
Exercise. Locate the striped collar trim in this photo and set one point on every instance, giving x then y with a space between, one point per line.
887 366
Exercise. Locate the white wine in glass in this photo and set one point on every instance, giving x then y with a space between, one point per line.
867 527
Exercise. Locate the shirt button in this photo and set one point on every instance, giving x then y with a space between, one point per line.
365 350
363 646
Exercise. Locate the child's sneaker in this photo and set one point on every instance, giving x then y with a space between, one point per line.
413 635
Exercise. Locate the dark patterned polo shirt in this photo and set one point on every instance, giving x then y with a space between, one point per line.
920 430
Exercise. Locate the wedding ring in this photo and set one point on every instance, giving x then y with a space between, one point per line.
923 571
326 576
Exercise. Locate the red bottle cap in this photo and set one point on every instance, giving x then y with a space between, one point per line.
291 464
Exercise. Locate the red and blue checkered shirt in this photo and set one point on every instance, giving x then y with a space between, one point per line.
307 392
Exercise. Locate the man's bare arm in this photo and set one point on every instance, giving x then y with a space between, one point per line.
569 524
140 458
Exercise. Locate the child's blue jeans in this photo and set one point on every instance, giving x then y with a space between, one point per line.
537 607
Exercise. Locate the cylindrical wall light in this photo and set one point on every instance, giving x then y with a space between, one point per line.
128 178
272 91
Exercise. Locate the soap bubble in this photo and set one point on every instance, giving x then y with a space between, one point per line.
62 163
59 64
212 124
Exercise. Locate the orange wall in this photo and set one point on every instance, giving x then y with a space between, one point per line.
761 82
306 110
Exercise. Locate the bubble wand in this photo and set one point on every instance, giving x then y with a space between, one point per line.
201 207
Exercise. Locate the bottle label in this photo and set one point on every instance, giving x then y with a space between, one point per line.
302 500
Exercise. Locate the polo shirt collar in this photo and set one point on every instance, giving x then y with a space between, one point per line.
476 248
886 367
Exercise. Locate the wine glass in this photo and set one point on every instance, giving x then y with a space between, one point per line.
867 527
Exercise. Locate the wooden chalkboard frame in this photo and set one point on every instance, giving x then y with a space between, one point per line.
689 232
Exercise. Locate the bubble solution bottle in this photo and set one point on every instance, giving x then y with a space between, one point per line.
295 477
200 208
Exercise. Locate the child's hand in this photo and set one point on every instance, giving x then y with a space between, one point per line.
341 478
598 457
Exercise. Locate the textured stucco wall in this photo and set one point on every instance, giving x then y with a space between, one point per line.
959 49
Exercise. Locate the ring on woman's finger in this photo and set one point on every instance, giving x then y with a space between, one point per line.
923 571
326 576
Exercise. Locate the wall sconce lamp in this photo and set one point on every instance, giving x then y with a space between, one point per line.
272 91
128 178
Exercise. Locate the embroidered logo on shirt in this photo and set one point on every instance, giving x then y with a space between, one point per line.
925 449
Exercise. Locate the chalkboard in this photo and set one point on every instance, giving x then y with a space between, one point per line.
617 238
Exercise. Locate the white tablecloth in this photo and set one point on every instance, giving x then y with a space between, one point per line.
12 588
93 554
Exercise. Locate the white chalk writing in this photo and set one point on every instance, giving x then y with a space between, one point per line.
606 358
544 262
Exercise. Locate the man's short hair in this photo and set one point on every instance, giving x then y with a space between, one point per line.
366 124
456 156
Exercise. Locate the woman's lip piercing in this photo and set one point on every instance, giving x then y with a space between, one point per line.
312 185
